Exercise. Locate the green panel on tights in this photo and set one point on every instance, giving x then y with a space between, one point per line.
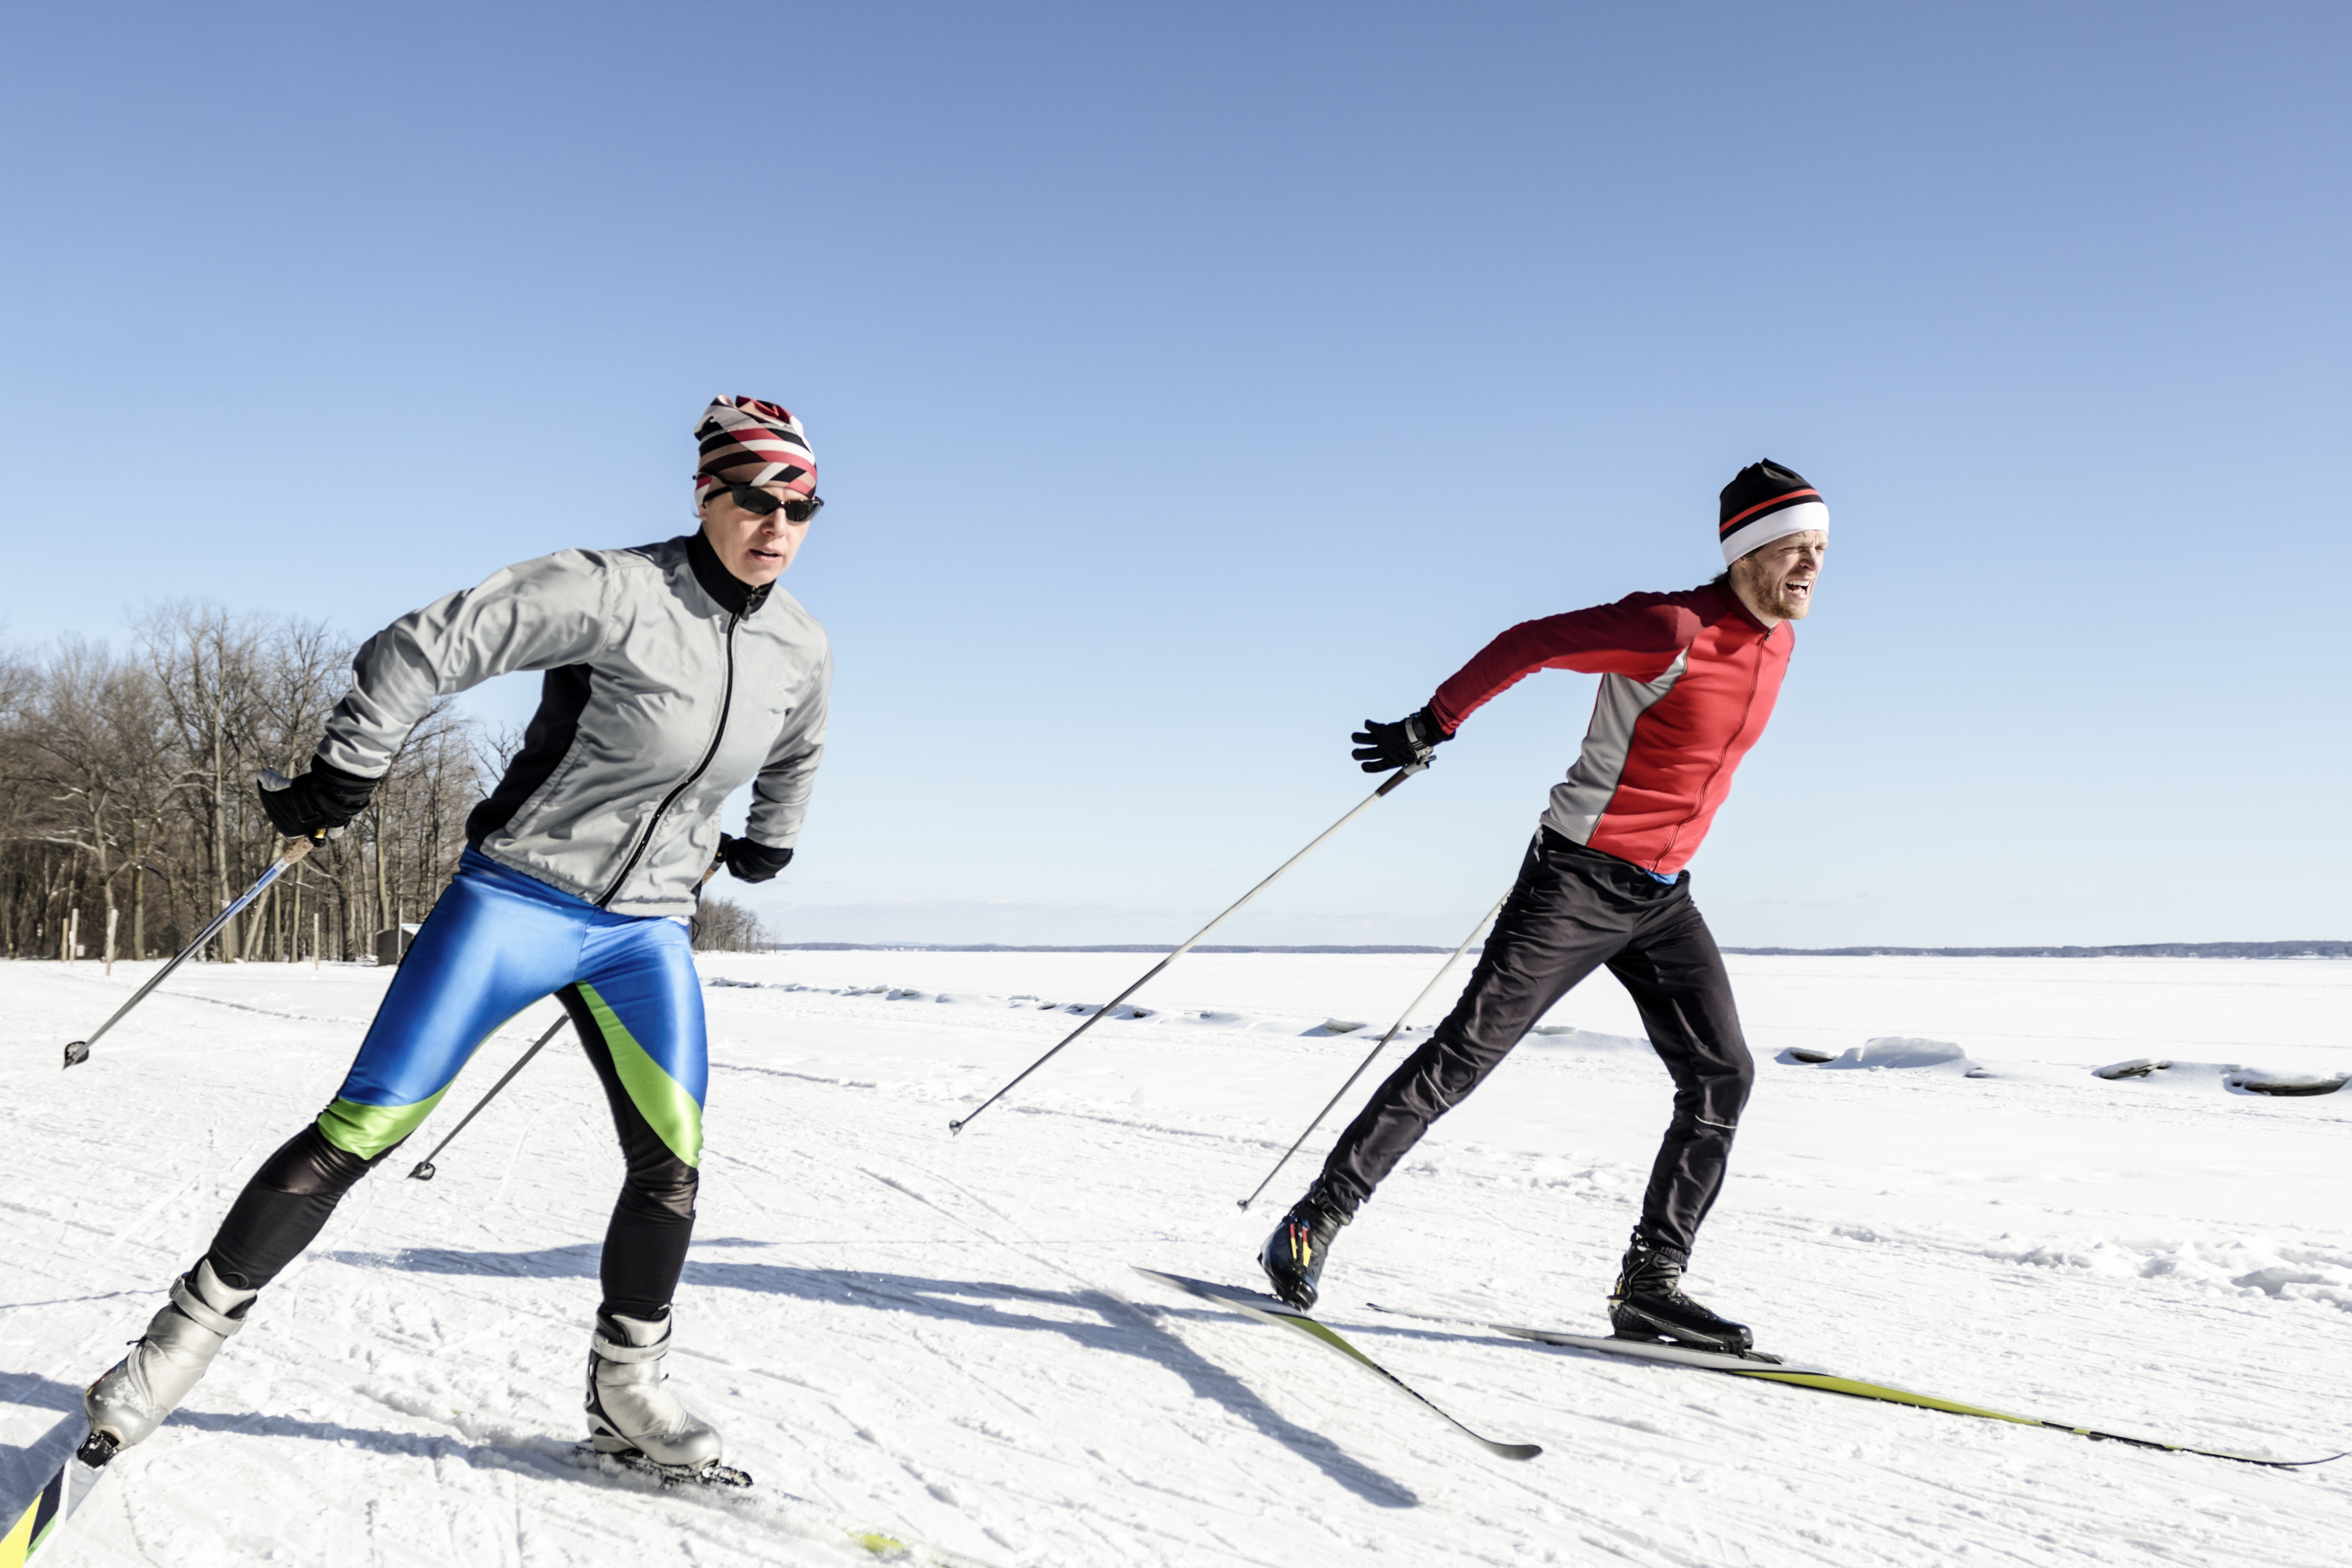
368 1131
660 1099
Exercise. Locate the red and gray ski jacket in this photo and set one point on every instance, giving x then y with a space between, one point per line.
1687 681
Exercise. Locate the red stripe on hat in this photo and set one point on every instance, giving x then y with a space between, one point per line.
1783 498
758 407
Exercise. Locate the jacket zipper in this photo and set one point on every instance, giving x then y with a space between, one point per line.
1755 683
646 838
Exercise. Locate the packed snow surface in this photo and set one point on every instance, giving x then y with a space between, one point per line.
940 1340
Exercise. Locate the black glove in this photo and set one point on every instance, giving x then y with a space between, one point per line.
1380 747
321 800
751 862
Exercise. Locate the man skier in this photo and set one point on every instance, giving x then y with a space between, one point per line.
1687 682
675 672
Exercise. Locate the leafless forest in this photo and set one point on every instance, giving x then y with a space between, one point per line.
127 796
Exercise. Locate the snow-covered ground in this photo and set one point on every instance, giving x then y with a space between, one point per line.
940 1340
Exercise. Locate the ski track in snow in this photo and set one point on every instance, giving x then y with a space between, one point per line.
938 1338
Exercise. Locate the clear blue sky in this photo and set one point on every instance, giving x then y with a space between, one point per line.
1191 382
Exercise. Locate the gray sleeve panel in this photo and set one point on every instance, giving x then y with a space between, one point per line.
540 615
780 795
1577 803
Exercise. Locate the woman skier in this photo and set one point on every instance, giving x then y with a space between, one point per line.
674 673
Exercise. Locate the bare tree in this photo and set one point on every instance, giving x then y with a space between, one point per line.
85 732
204 658
23 806
131 778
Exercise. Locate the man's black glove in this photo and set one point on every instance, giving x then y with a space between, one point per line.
1381 747
751 862
323 799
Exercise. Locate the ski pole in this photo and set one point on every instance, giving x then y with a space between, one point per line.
426 1169
1484 921
78 1051
1395 779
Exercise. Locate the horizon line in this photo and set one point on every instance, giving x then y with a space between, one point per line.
2268 950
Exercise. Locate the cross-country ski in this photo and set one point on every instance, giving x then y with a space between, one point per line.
1267 1310
1770 1369
50 1512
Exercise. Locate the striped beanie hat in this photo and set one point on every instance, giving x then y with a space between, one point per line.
747 442
1765 501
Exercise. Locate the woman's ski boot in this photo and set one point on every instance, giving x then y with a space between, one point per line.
133 1396
632 1417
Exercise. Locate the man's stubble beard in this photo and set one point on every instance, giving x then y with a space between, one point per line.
1774 599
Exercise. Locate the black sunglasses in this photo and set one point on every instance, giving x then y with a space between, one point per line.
760 503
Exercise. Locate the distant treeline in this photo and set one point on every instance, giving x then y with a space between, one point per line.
722 925
127 786
2143 949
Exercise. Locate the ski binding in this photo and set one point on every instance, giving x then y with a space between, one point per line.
710 1475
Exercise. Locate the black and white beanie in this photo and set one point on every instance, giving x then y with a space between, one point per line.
1765 501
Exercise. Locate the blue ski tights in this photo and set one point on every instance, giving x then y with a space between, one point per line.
498 941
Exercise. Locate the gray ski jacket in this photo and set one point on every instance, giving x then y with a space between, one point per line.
670 684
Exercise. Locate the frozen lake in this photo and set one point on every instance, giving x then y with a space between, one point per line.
940 1339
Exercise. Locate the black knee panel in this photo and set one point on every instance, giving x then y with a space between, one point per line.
661 1190
646 1244
284 1207
306 1166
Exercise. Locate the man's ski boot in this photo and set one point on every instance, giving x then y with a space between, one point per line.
631 1416
1296 1252
131 1399
1649 1303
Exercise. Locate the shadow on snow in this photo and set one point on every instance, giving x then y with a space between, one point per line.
1101 1321
23 1467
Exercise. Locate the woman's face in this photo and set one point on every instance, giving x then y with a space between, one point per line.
755 548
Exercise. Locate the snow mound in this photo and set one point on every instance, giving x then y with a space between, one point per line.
2138 1067
2231 1078
1908 1051
2239 1266
1560 1037
2258 1082
1124 1010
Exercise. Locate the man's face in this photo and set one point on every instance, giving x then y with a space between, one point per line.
1777 580
756 548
